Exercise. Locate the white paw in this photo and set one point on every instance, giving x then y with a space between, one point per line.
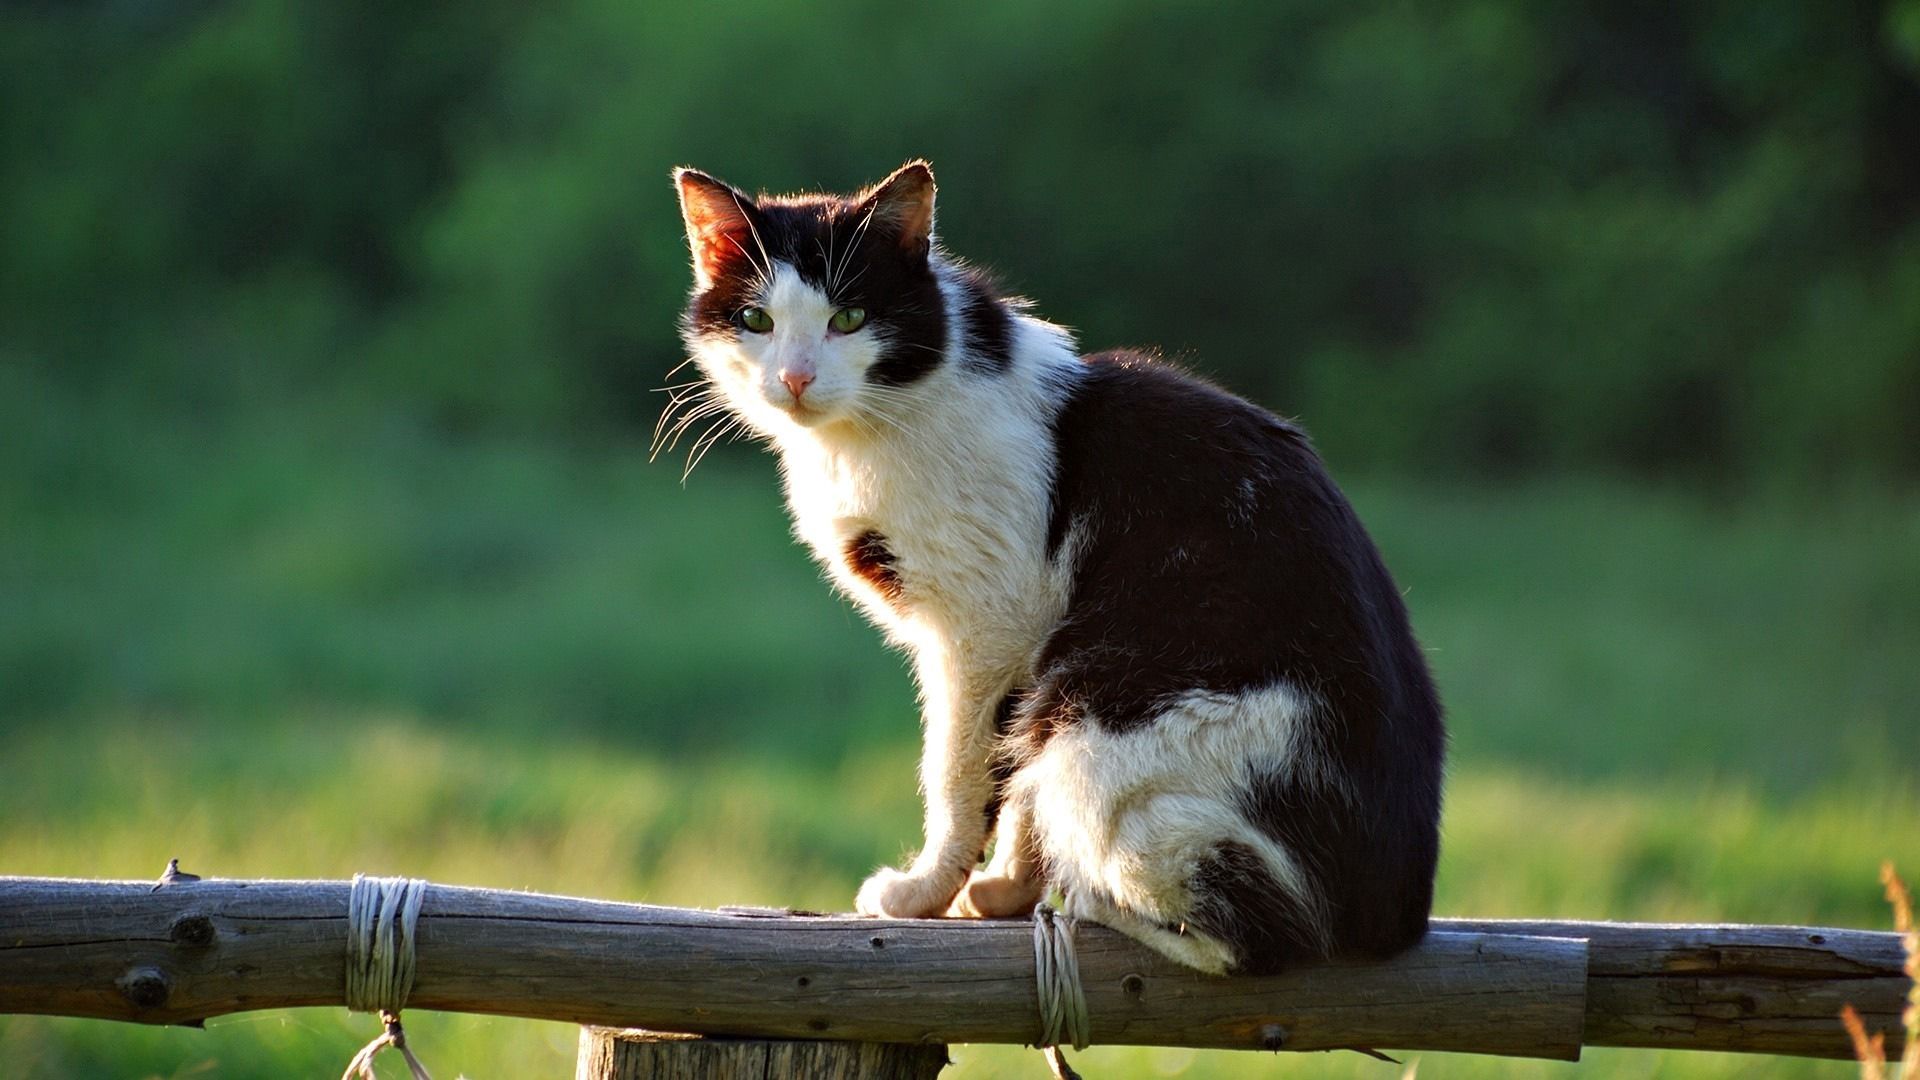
990 896
892 894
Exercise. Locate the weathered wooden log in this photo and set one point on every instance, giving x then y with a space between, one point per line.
1754 989
211 947
633 1054
190 951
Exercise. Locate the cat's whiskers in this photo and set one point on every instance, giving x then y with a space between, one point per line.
676 388
680 396
853 243
884 398
667 416
729 425
833 245
708 404
942 353
836 291
762 275
880 423
706 410
766 260
694 448
826 262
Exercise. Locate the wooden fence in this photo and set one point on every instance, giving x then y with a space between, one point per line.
184 952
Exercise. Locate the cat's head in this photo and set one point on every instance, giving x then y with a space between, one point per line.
813 310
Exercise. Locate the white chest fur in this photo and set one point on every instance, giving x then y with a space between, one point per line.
956 480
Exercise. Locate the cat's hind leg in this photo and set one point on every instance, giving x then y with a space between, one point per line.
1013 882
1137 863
1178 941
1147 830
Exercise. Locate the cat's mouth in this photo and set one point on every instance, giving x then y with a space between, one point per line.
803 413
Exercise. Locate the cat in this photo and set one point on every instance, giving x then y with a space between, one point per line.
1159 659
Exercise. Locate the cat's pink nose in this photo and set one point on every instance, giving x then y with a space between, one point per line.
796 380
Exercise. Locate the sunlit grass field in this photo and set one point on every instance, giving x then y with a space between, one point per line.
305 649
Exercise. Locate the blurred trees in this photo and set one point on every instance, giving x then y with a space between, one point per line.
1483 237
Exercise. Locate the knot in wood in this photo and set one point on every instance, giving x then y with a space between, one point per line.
192 929
1273 1037
145 987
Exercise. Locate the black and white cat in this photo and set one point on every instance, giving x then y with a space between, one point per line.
1157 653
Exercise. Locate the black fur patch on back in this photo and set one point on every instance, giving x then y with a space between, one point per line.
857 262
1214 553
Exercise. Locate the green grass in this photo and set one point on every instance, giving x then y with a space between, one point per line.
333 644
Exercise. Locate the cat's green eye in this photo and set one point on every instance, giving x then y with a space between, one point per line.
755 319
848 319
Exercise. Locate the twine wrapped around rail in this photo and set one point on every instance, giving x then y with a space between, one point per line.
1056 980
382 917
1056 976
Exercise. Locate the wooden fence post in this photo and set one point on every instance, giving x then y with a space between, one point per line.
634 1054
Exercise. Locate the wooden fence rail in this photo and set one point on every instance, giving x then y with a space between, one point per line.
179 954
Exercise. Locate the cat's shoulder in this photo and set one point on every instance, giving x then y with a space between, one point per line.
1141 438
1138 397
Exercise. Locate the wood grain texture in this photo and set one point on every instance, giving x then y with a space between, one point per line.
122 951
1758 989
633 1054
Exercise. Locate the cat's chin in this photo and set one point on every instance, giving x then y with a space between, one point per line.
811 417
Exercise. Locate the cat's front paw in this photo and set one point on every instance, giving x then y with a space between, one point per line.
892 894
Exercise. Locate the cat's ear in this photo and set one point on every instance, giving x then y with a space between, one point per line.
719 223
903 204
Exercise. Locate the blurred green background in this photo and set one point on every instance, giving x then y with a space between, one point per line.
328 541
